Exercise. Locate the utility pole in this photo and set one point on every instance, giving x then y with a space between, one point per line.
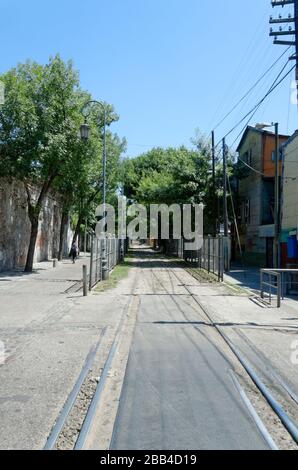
225 205
214 187
277 201
289 31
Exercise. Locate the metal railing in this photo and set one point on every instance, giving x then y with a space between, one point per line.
283 283
114 256
212 257
268 286
95 271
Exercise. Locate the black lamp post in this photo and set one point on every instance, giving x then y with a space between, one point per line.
85 131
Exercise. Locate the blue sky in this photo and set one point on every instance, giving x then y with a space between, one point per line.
168 66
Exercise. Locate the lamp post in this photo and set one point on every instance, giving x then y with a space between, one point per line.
85 130
276 250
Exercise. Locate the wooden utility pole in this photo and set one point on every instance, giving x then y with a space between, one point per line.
287 30
225 201
215 205
277 201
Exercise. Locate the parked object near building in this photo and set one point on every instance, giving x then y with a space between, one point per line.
15 227
256 196
289 226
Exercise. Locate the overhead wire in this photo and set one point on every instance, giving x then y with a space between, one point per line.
251 88
275 84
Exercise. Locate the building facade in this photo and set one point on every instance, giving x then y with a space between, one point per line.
256 195
289 216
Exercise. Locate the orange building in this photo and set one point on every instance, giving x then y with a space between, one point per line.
256 195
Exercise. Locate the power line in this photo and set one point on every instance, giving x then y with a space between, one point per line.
254 109
251 89
280 35
251 51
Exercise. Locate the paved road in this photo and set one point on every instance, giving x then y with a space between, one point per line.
178 392
48 331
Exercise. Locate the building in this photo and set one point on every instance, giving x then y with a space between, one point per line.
15 227
256 195
289 216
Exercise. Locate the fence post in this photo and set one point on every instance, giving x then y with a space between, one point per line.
105 260
209 254
262 285
278 290
122 250
91 263
213 255
55 263
85 280
223 259
220 258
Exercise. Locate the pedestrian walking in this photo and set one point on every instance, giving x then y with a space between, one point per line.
74 252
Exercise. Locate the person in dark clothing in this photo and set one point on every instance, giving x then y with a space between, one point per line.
74 252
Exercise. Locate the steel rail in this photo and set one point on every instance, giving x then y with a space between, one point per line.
260 425
61 421
89 418
81 441
289 424
268 367
53 437
262 428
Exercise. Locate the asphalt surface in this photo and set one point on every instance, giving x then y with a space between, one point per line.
47 334
177 392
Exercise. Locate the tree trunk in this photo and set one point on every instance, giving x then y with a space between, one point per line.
34 212
78 228
31 250
64 220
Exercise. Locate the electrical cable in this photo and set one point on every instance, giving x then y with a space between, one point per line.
275 84
251 89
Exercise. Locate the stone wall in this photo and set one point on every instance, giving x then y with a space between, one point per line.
15 226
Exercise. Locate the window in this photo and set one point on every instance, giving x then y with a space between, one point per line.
245 211
247 157
273 155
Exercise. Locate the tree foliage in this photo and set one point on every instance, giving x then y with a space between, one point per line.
40 143
177 175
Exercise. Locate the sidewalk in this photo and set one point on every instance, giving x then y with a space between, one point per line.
47 332
246 278
249 278
44 270
265 335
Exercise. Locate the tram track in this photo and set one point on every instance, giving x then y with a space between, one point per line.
158 286
60 426
287 421
284 417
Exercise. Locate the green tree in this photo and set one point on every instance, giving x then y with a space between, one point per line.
39 138
177 175
38 130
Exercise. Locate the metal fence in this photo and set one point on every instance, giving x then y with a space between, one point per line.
213 256
271 286
114 249
278 283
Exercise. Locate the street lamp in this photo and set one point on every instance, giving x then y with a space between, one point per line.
85 131
276 197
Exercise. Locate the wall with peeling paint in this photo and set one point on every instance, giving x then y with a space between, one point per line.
15 227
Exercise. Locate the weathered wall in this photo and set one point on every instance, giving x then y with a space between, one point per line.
269 147
15 227
290 187
251 188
